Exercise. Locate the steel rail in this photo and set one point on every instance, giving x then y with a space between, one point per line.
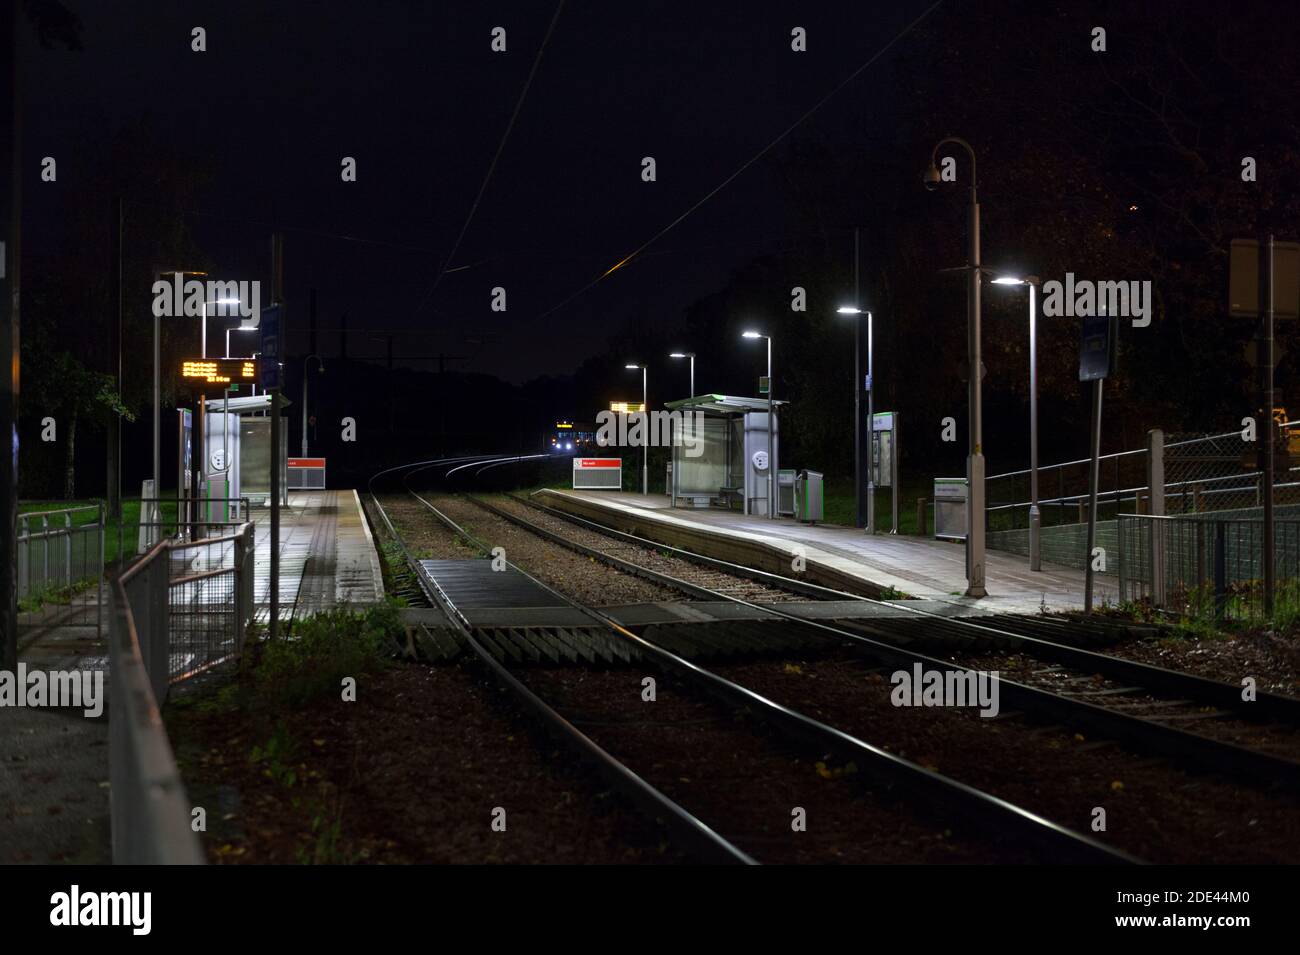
1266 706
1199 751
692 832
940 792
801 587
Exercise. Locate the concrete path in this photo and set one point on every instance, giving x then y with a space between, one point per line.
54 763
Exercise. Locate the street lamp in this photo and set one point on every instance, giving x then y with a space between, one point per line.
645 422
203 339
975 460
858 440
771 406
320 363
1035 517
691 356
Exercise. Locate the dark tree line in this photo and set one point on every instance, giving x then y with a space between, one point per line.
68 304
1123 164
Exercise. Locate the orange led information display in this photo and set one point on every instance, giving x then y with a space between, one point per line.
219 371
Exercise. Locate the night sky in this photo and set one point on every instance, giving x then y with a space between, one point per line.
415 94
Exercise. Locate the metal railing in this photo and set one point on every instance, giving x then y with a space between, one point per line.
162 518
1207 567
181 608
209 600
1063 490
57 551
149 811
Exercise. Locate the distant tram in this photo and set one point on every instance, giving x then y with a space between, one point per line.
570 438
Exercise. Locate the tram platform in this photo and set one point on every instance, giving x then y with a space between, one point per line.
844 558
327 555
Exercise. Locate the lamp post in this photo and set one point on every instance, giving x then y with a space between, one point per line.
868 519
203 336
691 356
157 397
975 460
645 427
321 365
1035 517
771 407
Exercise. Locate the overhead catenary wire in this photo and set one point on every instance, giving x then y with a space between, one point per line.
523 93
783 237
745 165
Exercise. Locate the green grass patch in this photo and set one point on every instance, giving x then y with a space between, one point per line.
1190 611
839 504
258 723
325 649
59 595
121 537
310 663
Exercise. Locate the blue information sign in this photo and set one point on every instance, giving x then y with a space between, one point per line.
1097 347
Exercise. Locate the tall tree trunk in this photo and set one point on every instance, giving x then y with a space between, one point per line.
69 460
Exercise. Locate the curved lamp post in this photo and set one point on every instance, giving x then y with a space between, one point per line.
645 435
866 515
1035 517
691 356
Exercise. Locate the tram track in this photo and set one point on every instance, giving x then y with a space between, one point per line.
1029 758
942 797
1105 686
689 831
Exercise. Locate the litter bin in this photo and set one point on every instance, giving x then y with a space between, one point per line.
785 493
808 497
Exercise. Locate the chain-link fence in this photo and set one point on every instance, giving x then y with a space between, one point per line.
1203 473
1208 567
59 558
1217 473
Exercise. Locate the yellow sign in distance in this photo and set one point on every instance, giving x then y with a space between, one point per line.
219 371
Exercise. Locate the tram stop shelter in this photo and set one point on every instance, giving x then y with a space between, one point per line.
720 451
237 452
